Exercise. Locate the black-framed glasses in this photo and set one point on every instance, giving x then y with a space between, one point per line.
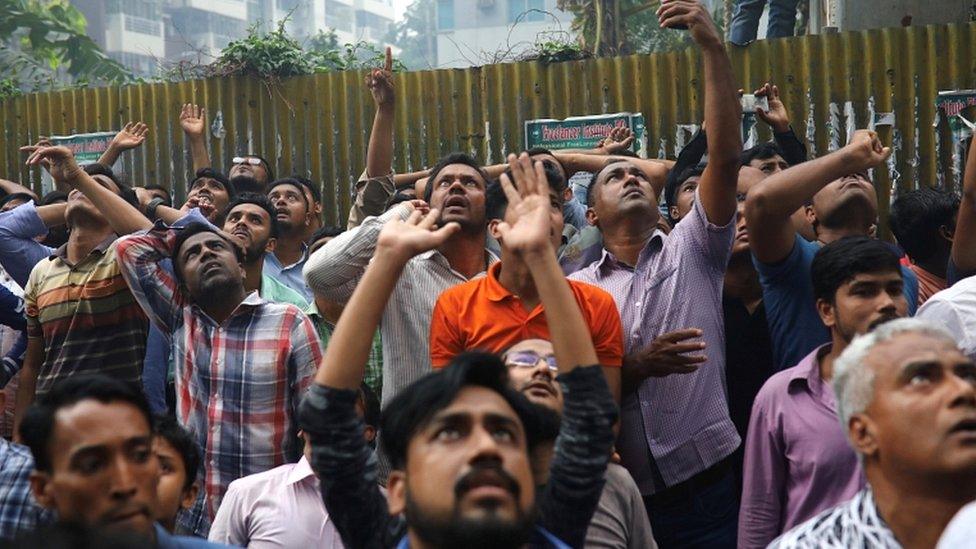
529 359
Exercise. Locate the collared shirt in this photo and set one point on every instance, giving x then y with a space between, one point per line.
961 531
334 271
165 540
289 275
374 364
86 315
239 382
272 290
19 252
370 196
277 508
19 511
797 458
483 315
677 283
955 309
855 523
928 283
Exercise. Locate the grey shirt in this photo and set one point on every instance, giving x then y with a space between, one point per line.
620 520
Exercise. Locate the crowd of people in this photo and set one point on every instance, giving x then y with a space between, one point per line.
569 349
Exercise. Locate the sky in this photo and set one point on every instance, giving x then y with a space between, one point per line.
400 7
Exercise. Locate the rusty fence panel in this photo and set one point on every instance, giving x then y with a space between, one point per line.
317 126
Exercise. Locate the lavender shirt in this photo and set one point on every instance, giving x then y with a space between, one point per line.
797 459
677 283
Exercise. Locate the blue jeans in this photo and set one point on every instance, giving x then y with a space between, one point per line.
696 516
745 19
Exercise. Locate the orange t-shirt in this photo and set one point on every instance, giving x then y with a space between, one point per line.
482 315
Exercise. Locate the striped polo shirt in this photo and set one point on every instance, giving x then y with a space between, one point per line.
87 317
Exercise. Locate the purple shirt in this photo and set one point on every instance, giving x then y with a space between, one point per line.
677 283
797 458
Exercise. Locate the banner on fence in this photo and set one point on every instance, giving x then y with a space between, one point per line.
582 132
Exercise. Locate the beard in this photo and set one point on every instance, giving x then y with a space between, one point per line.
247 183
548 421
855 209
487 532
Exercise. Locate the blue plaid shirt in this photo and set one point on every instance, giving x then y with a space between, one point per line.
19 512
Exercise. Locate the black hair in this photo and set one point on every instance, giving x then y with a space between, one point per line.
261 201
179 438
842 260
158 187
593 178
313 189
761 151
267 165
325 231
916 217
294 182
26 197
38 424
216 176
536 151
192 229
399 198
413 408
125 190
671 189
54 197
496 202
371 405
453 158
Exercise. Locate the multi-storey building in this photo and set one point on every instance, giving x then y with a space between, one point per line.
129 31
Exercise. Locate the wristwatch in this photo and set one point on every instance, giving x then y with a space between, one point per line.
153 206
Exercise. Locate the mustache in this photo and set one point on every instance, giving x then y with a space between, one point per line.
475 477
878 322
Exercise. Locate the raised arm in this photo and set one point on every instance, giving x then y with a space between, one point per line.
140 257
19 252
340 455
124 218
964 241
9 187
655 170
193 120
723 112
771 203
131 136
778 118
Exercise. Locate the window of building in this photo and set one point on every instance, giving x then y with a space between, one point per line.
445 14
142 25
526 10
339 16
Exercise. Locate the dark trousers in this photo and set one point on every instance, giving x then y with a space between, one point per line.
701 512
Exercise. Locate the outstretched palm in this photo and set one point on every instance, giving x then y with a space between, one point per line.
529 205
193 119
59 161
131 136
416 235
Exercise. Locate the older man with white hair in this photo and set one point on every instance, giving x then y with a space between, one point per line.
907 400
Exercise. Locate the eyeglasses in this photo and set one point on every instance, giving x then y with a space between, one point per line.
529 359
247 160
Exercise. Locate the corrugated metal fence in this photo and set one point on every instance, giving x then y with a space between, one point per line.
318 125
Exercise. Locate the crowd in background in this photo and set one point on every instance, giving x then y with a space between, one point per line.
573 348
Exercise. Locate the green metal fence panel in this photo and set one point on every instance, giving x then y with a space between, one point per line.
318 126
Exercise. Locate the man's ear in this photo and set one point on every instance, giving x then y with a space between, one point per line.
591 217
673 213
190 495
370 433
862 434
567 194
947 233
40 484
396 492
826 311
271 245
493 229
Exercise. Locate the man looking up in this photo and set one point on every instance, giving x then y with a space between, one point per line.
906 396
242 362
495 312
293 214
92 442
924 222
457 190
252 220
675 431
843 204
248 173
797 460
464 427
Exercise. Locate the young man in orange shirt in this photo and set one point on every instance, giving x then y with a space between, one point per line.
494 312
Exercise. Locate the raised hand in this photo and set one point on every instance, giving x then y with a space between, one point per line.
865 151
530 204
416 235
666 355
619 139
59 161
193 119
776 116
692 15
131 136
380 82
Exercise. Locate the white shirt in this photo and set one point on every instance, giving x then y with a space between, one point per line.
961 532
955 309
280 508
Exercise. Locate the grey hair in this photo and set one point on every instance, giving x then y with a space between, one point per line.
854 381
